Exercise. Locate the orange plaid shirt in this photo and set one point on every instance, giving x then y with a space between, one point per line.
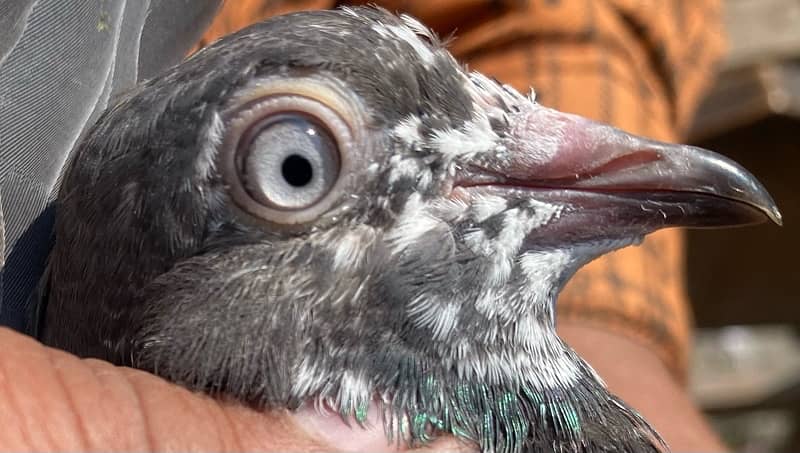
641 65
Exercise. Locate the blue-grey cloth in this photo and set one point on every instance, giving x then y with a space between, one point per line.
61 64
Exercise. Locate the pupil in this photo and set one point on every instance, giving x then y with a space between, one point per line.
297 171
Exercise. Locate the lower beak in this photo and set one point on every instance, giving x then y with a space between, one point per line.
621 177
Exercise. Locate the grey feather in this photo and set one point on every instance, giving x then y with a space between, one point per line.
13 16
60 63
165 21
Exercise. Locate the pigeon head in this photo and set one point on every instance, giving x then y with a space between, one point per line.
327 209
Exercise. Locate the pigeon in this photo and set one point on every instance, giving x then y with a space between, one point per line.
326 210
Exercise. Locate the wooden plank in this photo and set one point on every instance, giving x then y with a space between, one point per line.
761 31
759 76
742 96
744 366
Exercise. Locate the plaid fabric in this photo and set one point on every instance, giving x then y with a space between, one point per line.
641 65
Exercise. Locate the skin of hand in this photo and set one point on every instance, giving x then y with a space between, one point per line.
54 401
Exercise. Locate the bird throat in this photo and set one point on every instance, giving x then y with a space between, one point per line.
578 415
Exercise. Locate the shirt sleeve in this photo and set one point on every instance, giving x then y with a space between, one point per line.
641 65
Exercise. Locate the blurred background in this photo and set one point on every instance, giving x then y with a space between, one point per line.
743 282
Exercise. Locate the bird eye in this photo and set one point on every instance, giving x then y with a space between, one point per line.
284 154
288 161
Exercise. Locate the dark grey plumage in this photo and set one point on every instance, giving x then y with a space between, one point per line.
419 281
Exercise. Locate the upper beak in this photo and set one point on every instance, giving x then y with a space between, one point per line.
574 159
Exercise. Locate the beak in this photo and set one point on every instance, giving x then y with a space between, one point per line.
614 177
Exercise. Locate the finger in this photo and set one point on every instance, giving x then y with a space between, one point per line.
51 400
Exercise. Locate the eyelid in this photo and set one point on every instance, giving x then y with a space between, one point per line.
324 91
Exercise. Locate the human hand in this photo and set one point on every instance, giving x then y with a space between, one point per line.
53 401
